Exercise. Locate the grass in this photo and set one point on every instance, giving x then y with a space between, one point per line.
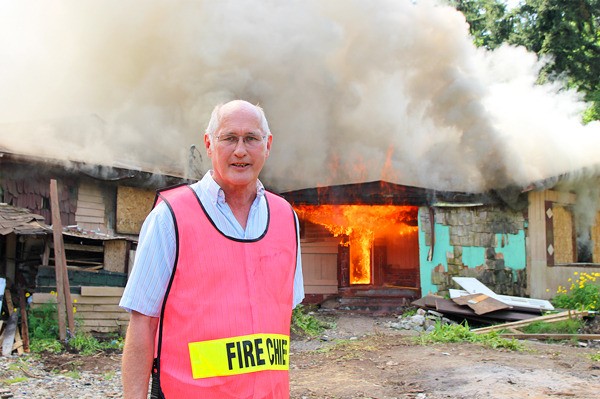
456 333
571 326
74 374
10 381
595 357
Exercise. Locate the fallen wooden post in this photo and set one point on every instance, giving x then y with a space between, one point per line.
557 337
551 318
64 303
24 322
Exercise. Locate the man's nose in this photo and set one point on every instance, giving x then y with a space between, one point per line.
240 146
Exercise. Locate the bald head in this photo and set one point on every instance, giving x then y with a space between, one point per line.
235 106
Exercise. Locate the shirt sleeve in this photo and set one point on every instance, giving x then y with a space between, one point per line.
298 276
153 264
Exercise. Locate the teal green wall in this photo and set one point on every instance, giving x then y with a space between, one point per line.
512 246
442 246
473 256
515 256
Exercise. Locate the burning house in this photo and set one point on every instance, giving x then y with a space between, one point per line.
379 245
375 100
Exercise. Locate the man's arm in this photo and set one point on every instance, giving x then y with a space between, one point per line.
138 354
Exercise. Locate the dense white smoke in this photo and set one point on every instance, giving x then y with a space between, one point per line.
355 90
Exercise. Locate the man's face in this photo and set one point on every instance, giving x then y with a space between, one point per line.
239 149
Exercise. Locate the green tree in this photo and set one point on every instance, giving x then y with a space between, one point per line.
567 32
488 22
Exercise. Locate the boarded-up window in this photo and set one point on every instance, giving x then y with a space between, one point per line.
596 239
133 205
563 229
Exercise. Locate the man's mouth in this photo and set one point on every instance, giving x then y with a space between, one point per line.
240 165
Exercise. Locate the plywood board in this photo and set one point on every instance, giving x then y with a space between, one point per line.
564 251
133 205
102 291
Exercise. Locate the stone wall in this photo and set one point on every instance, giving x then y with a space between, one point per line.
477 244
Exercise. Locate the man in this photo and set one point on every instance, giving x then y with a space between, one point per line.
216 275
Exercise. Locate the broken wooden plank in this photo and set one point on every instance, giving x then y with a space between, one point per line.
557 337
448 307
11 309
102 291
481 303
569 314
24 321
427 301
9 335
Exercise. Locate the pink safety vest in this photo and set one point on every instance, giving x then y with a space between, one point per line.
227 310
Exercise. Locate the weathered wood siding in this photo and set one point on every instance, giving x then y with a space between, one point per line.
91 209
97 309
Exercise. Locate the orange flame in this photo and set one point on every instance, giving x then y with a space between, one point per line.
358 226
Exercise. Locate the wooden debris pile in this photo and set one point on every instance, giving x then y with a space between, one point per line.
478 303
508 314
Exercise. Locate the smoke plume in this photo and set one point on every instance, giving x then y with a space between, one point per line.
354 90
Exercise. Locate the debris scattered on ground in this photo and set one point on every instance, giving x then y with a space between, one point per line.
422 321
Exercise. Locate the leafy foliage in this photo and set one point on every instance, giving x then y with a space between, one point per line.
583 294
565 33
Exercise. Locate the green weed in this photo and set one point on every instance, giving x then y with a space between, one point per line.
454 333
10 381
304 323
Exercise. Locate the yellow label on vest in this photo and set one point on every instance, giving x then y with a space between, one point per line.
239 355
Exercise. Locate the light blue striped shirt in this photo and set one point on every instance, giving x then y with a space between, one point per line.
155 255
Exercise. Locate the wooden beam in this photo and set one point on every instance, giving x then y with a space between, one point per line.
569 314
24 322
82 247
557 337
65 305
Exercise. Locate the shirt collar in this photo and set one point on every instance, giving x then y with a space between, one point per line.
216 193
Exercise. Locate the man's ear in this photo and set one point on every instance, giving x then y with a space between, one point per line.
208 144
269 141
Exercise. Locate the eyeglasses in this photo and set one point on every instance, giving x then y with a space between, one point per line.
250 140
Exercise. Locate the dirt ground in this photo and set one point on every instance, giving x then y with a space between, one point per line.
362 357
